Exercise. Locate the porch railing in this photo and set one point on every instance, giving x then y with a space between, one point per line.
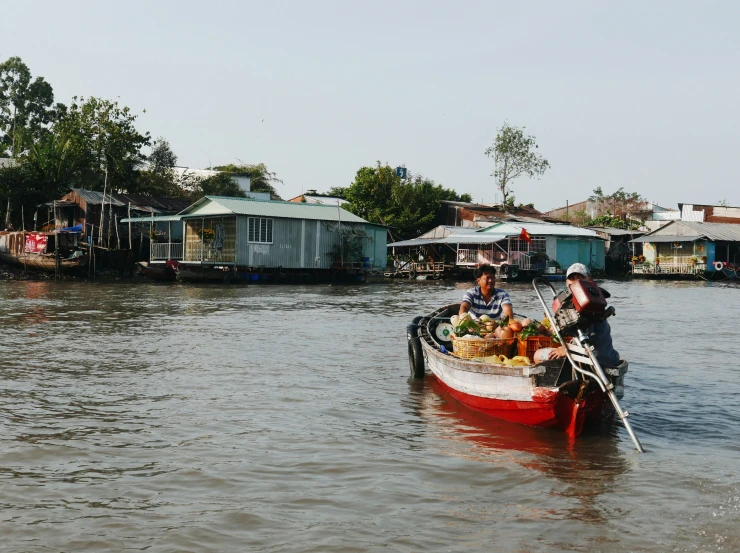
474 257
164 251
209 253
669 268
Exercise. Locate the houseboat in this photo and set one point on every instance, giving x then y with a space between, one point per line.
223 239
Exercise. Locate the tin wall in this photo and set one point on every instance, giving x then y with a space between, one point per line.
376 248
296 244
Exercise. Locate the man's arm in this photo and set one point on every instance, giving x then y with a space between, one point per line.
507 311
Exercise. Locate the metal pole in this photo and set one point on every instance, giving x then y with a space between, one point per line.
583 342
341 238
102 210
129 227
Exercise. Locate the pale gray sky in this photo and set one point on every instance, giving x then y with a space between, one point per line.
640 95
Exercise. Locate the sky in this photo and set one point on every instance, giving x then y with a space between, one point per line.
639 95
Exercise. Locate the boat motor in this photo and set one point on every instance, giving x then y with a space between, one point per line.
581 304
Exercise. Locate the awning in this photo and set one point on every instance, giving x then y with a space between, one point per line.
655 238
452 239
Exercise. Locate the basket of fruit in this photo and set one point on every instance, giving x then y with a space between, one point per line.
481 338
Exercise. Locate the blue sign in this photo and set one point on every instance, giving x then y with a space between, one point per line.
401 172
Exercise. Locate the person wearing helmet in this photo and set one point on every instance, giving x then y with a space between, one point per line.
599 333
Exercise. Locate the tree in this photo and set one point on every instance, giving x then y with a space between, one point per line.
25 110
620 205
221 184
160 179
513 156
411 206
162 157
338 192
104 146
260 178
25 107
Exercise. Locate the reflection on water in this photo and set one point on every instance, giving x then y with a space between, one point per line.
589 466
277 418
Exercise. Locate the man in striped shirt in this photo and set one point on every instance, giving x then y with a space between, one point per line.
485 299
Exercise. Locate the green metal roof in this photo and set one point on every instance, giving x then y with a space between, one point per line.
155 219
270 208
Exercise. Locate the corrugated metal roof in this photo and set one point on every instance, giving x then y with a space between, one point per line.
666 238
618 231
446 230
93 197
159 219
714 231
729 232
539 229
270 208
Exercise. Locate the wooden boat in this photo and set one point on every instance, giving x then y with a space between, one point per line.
203 273
35 251
552 394
165 271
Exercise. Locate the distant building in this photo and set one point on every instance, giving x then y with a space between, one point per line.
502 246
83 207
689 247
706 213
468 214
313 197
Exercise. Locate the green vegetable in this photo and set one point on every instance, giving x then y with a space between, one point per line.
529 330
468 326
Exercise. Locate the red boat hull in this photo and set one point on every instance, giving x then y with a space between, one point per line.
548 408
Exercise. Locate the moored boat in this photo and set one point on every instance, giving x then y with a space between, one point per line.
44 251
551 394
164 271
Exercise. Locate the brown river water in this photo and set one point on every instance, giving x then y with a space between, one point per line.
145 417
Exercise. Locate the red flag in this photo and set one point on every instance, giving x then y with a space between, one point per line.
525 236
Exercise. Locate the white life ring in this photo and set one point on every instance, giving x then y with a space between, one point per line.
719 265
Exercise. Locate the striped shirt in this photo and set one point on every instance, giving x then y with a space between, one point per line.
479 306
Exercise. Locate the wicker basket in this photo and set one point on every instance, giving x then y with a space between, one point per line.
467 349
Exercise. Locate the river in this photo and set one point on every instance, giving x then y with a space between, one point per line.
271 418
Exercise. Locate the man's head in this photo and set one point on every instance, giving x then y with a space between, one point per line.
577 271
485 274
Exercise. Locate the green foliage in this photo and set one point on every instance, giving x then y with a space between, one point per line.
410 206
609 221
159 179
260 178
221 184
102 139
620 204
513 156
25 107
338 192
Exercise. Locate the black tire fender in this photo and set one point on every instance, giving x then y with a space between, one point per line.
412 274
416 354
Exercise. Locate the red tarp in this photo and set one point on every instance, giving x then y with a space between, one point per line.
36 243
